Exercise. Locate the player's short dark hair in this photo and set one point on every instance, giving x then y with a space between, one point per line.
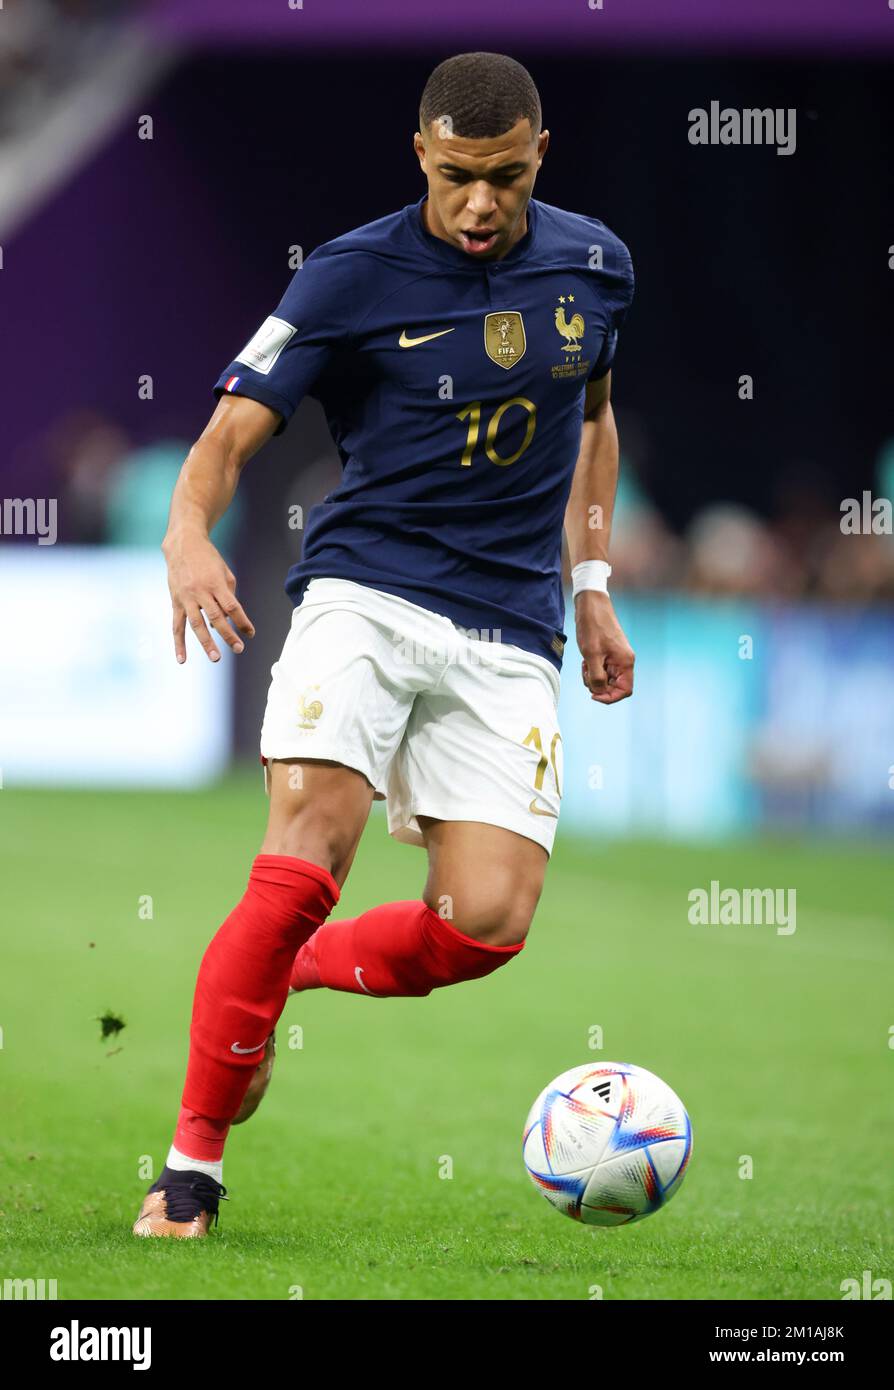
481 94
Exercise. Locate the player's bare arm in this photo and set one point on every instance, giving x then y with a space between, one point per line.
203 587
607 666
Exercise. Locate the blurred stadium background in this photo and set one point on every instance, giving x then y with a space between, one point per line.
758 749
133 268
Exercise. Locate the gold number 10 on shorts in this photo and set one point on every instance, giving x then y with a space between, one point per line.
472 413
534 740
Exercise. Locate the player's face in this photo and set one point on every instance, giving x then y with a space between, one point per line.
478 190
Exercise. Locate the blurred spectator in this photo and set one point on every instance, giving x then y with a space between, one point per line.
645 554
85 448
110 492
884 474
139 498
731 551
855 568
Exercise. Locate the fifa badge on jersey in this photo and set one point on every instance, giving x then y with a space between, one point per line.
504 338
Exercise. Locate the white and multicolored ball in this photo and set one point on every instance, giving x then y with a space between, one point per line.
607 1143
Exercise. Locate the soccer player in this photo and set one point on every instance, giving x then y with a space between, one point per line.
462 352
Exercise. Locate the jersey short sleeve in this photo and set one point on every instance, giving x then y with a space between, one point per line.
616 287
280 364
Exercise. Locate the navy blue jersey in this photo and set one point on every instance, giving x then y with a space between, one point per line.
454 393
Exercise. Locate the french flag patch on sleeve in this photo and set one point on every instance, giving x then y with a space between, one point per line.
232 382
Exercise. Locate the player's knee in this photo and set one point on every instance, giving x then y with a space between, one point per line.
508 928
487 882
496 920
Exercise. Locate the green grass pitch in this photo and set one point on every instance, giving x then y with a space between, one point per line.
779 1047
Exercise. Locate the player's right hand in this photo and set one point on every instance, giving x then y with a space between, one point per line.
203 590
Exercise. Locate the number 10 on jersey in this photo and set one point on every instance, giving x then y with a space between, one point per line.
472 413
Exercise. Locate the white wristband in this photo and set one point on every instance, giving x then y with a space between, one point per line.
590 574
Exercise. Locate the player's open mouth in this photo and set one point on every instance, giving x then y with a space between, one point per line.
477 242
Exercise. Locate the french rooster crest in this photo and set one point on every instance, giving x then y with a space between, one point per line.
570 330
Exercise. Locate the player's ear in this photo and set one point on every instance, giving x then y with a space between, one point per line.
542 146
419 147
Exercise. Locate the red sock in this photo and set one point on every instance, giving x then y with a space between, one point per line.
240 992
400 949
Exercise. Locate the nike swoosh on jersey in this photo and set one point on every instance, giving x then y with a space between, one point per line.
404 341
243 1051
537 811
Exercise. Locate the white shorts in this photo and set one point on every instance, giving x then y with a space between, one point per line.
440 723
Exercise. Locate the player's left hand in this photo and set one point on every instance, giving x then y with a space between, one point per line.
608 658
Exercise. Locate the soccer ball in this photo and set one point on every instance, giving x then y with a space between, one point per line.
607 1143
